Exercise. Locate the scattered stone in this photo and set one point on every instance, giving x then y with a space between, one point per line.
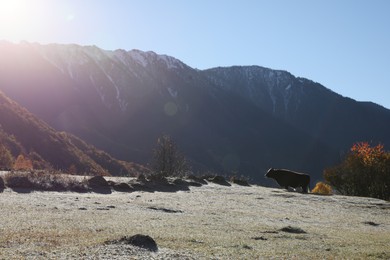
98 181
219 180
111 207
239 181
2 184
196 241
122 187
294 230
141 178
82 208
197 179
166 210
270 232
143 241
111 183
371 223
158 179
140 187
189 182
180 182
99 184
194 184
19 182
260 238
247 247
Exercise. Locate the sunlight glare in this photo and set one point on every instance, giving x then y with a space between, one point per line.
20 19
13 18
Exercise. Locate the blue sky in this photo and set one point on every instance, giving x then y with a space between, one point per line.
342 44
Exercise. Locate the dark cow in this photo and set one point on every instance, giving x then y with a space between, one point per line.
286 178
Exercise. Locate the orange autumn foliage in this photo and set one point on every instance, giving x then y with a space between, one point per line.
23 163
322 189
369 155
364 172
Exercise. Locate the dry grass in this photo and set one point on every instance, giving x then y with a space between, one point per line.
212 221
322 189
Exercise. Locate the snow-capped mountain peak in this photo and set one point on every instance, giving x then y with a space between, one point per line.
274 90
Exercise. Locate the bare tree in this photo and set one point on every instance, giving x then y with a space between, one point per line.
167 160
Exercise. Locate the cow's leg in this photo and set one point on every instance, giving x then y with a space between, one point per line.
304 189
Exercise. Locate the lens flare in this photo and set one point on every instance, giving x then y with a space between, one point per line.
170 109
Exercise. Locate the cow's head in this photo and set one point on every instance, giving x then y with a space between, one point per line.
270 173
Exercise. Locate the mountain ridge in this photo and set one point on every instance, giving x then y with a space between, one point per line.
237 119
21 133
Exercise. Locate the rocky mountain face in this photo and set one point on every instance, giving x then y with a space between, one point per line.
236 119
21 133
306 105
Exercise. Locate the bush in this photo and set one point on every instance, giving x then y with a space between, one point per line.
322 189
364 172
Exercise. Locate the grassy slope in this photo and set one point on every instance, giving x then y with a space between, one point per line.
216 221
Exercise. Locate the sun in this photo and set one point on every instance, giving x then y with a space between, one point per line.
12 10
13 18
34 20
10 5
18 18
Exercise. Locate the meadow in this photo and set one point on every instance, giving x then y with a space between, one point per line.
207 222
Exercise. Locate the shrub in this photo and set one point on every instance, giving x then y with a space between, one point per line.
364 172
322 189
44 181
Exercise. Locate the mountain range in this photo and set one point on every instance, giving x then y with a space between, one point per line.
230 120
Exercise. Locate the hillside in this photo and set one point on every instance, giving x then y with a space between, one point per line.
21 133
208 222
242 119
